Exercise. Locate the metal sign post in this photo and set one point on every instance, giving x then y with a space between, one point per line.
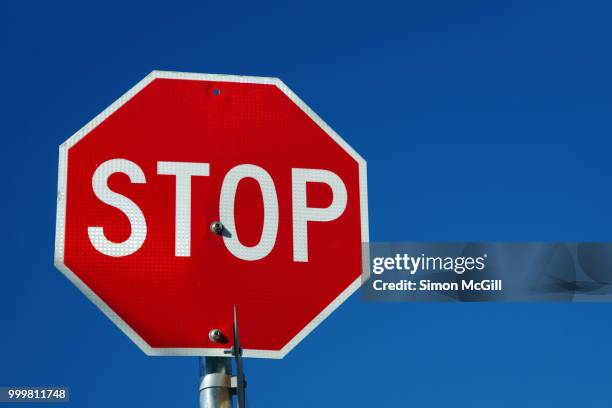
215 382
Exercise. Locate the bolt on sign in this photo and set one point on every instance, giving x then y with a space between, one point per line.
141 183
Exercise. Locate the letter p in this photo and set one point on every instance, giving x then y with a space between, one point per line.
302 214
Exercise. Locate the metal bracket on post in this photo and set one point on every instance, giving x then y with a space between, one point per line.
216 380
238 382
219 380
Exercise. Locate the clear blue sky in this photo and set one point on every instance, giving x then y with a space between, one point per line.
480 120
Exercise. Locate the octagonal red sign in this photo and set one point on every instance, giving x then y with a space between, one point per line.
141 183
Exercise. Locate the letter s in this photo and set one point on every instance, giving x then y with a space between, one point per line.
137 220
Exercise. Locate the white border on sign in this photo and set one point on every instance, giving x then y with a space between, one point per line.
131 333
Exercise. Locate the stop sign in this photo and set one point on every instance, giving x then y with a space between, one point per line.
140 184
